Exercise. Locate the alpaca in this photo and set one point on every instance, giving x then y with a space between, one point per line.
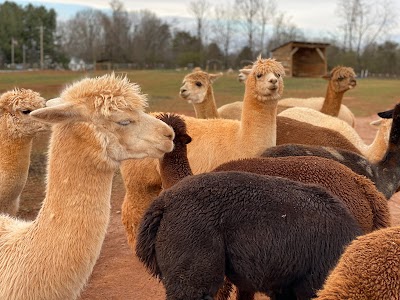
359 194
97 123
341 79
302 126
368 269
266 234
313 128
215 141
384 173
197 89
17 132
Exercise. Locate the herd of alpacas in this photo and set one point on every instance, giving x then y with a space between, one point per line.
266 196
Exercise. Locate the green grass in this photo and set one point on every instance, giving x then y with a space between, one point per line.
162 87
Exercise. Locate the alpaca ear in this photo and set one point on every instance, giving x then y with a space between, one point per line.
56 114
386 114
187 138
327 76
245 71
376 122
214 77
54 102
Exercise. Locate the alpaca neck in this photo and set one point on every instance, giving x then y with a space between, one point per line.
74 216
389 171
258 121
332 103
174 166
14 166
377 149
208 108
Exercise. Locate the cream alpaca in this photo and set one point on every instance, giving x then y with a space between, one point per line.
97 123
341 79
197 89
215 141
310 117
17 130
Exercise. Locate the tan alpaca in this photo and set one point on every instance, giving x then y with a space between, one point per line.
340 80
97 123
214 141
308 117
197 89
17 130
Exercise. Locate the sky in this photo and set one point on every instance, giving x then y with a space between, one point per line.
314 17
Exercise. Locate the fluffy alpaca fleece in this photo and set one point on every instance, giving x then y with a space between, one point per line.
17 130
385 173
310 118
215 141
197 89
97 123
266 234
359 194
368 269
341 79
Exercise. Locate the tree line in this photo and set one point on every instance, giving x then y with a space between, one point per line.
228 34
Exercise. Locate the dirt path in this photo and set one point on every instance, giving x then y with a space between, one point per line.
118 275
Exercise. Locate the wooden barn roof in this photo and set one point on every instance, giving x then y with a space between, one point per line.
303 45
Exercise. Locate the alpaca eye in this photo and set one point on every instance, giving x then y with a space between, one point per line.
26 112
259 75
198 83
278 75
340 78
124 122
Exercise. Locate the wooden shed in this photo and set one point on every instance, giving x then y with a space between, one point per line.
302 59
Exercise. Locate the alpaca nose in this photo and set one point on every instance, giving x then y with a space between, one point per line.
273 80
182 90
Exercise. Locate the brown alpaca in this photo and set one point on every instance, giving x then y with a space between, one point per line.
97 123
17 130
340 80
197 89
215 141
368 269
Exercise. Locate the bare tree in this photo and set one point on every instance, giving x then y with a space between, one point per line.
283 31
223 28
364 22
248 11
83 35
199 9
267 12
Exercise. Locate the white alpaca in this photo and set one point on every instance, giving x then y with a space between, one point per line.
97 123
17 130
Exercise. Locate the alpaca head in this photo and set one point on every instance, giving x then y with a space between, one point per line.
179 127
109 112
341 79
242 76
195 86
15 109
265 79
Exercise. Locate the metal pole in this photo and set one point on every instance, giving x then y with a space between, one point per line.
41 48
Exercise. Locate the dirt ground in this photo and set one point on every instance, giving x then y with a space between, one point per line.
118 275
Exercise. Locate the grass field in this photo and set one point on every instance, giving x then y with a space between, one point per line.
162 87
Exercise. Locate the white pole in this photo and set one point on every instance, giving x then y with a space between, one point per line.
12 52
41 47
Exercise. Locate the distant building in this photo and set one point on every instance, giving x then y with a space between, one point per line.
302 59
76 64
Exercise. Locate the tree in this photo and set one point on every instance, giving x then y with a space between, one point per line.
152 39
267 12
364 22
247 11
86 26
199 8
223 28
184 49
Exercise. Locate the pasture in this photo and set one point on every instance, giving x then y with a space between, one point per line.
118 274
162 87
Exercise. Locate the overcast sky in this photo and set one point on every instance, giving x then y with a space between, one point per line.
311 16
